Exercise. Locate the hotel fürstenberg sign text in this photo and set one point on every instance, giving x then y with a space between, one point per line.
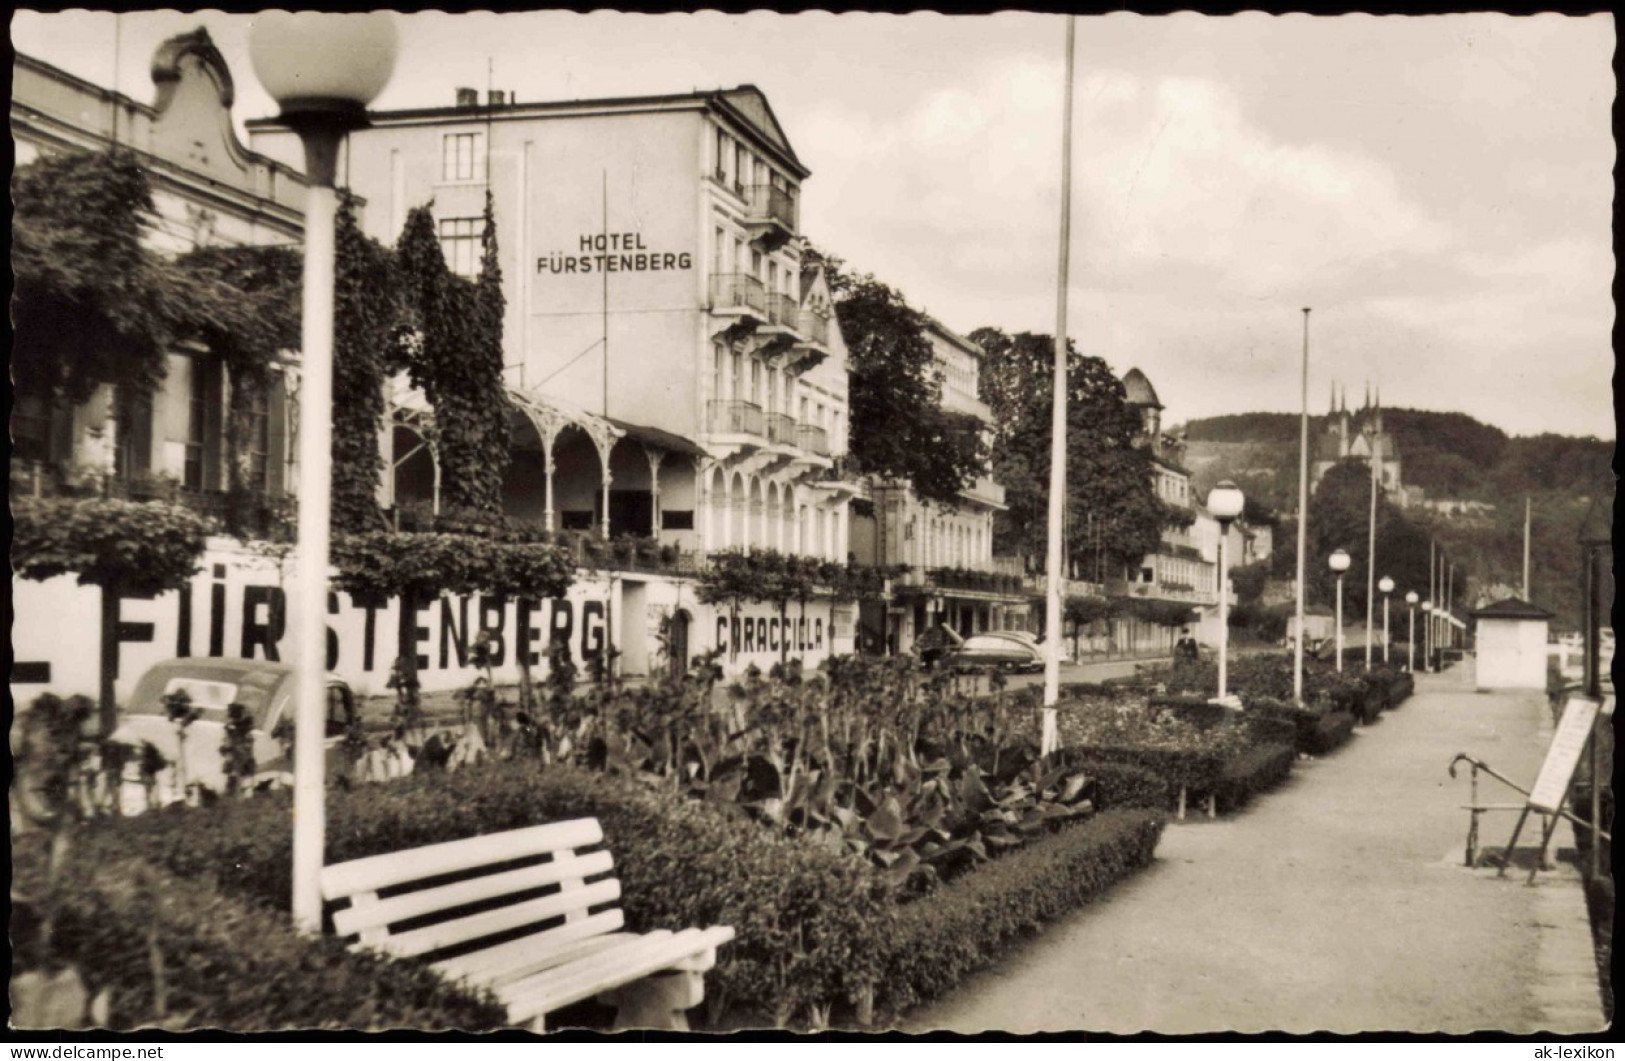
613 252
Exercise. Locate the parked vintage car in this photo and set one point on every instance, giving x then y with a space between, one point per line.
994 652
266 689
1027 640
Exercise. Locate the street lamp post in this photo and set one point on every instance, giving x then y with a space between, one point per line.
1225 502
1339 563
1410 641
1387 587
323 70
1427 636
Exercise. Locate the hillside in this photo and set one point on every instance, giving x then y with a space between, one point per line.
1451 456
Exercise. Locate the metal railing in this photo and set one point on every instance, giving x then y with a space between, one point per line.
782 310
813 439
730 416
738 290
781 429
769 202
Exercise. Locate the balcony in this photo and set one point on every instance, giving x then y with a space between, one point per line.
781 429
738 294
813 439
729 416
770 214
815 326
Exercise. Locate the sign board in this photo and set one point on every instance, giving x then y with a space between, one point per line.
1573 730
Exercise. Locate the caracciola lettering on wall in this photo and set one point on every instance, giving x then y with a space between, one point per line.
614 252
749 634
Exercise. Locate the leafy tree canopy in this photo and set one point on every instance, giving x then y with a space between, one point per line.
899 428
131 547
1110 497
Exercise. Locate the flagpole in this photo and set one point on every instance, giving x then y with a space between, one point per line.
1526 547
1303 514
1048 738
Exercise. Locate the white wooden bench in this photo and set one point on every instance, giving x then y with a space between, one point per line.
453 898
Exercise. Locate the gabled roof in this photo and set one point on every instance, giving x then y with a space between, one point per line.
1139 390
1512 608
750 102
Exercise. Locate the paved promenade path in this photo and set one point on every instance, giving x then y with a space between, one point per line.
1337 903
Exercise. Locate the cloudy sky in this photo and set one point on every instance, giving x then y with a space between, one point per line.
1438 189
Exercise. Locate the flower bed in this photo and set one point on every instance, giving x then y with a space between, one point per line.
177 953
967 924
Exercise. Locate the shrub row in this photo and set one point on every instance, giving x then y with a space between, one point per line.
223 962
968 923
1194 770
806 918
1261 727
1255 770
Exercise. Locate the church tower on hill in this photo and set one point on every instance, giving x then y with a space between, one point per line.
1357 435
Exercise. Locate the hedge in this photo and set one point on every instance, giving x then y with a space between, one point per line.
1119 785
1314 731
1195 771
1256 770
225 962
805 917
969 923
1331 732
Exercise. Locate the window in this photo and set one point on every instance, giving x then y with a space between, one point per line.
719 257
31 429
804 410
773 276
724 145
739 375
259 439
132 455
741 167
677 519
199 398
460 157
755 381
756 264
460 243
717 378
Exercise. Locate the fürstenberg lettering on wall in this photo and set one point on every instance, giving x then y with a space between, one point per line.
613 252
237 607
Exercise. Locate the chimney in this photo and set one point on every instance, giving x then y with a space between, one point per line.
468 97
496 98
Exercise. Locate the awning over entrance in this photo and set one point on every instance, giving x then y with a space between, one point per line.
659 439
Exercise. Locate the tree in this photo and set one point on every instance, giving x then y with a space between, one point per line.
367 325
1339 518
127 549
1110 497
89 302
899 428
457 363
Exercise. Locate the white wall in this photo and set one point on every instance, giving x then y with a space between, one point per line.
1511 654
232 603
